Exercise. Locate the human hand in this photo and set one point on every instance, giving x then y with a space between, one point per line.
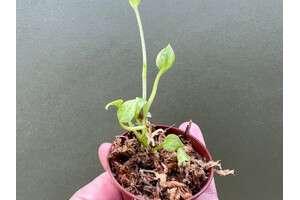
102 187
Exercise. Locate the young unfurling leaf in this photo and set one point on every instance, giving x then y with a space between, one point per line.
182 156
165 58
116 103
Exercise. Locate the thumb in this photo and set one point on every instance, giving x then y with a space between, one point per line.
103 151
100 188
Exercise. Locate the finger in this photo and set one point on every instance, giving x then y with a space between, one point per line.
194 130
210 193
103 151
100 188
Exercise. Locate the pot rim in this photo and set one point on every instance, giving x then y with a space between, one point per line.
208 158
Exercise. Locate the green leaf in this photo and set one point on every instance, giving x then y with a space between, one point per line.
165 58
126 111
134 3
172 143
116 103
182 156
130 109
140 102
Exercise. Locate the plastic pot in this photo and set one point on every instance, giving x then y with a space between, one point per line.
197 145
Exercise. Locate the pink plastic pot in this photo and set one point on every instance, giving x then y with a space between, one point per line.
198 146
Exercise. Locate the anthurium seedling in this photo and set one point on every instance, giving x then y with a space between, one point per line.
132 109
141 161
173 143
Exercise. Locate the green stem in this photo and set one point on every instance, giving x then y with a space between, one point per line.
151 98
156 148
144 75
141 138
135 132
138 122
131 128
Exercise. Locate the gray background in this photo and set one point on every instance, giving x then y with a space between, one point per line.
75 56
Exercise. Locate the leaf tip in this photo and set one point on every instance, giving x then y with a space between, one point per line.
134 3
116 103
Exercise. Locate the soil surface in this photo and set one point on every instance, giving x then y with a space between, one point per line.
157 175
